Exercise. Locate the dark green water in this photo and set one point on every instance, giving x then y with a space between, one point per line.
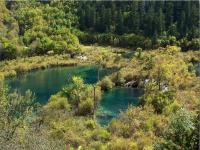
116 100
44 83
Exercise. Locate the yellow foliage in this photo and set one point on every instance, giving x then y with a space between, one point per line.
123 144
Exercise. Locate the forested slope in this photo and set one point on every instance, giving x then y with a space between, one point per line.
141 23
149 18
38 27
155 33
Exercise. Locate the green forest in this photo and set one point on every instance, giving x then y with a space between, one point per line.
99 75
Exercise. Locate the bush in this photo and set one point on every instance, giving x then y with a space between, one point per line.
126 40
180 131
119 79
85 107
97 146
7 50
158 99
56 102
91 124
101 135
50 53
131 40
195 44
139 52
85 37
106 84
123 144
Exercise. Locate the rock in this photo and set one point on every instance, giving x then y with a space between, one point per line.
81 57
131 84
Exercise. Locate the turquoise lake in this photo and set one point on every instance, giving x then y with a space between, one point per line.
44 83
114 101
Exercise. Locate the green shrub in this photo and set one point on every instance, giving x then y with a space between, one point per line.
195 44
101 135
97 145
85 107
106 84
91 124
57 102
139 52
8 50
158 99
180 131
122 144
119 79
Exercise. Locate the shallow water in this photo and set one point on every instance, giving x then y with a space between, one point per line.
114 101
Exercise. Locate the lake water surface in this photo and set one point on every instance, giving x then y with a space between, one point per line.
116 100
44 83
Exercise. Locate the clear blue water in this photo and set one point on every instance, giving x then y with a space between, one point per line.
114 101
44 83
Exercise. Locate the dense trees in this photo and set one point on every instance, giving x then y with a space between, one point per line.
146 17
155 20
9 40
34 28
47 27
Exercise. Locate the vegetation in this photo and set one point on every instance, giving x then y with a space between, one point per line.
166 117
41 34
14 112
143 24
31 28
106 84
20 65
37 28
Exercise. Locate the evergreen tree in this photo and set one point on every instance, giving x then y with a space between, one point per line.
120 25
161 22
134 17
141 17
182 24
108 19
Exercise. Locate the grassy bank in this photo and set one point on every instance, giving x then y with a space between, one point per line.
20 65
96 55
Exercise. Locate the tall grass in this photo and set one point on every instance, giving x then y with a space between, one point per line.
20 65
